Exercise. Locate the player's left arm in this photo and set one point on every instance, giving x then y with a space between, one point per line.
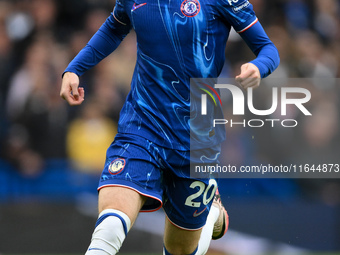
267 57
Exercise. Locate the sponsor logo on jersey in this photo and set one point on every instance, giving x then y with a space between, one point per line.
240 7
117 166
190 8
136 6
231 2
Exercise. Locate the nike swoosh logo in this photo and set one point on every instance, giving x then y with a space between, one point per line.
198 214
136 6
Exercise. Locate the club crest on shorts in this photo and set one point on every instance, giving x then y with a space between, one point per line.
117 166
190 8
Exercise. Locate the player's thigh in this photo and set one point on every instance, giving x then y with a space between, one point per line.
187 204
187 201
121 198
180 241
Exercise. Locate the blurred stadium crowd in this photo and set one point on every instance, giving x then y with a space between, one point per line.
38 38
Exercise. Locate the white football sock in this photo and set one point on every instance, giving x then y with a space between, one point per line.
206 235
111 229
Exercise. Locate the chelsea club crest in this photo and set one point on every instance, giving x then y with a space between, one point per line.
190 8
117 166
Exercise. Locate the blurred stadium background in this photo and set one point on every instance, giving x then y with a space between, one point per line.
51 155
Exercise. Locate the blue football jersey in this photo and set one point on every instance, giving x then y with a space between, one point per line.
176 40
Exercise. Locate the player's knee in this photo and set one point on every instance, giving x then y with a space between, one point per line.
111 229
178 252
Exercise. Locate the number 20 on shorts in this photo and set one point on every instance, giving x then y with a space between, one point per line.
202 190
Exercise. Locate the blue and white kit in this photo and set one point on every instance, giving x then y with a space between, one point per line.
176 40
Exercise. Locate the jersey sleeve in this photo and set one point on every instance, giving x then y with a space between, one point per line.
240 15
103 42
267 55
120 15
237 13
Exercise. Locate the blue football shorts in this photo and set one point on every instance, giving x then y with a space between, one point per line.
162 175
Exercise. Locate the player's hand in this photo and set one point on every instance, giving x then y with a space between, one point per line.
249 77
70 91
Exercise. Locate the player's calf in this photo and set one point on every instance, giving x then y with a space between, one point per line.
110 231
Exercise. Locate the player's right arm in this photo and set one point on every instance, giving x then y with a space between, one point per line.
102 44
